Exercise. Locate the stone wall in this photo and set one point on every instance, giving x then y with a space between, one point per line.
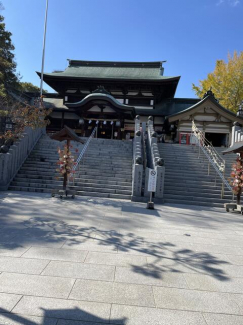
11 161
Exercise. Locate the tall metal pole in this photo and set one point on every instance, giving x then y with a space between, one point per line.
43 52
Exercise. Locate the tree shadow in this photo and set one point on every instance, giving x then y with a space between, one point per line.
167 257
80 230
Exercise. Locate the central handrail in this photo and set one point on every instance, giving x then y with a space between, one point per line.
82 152
212 155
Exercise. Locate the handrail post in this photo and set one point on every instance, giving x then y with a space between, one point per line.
213 158
81 155
222 189
199 146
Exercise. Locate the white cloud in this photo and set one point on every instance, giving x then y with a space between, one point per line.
232 3
219 2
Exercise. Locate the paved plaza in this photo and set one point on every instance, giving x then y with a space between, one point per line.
90 261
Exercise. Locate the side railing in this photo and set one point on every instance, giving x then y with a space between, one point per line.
154 161
81 155
214 159
137 167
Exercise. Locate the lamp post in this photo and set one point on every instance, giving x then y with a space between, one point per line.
43 51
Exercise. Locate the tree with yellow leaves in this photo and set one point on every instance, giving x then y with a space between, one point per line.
226 82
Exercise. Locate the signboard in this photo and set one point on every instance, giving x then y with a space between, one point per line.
152 180
129 127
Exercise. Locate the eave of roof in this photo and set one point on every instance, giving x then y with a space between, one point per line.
61 76
175 117
156 64
99 96
66 134
237 147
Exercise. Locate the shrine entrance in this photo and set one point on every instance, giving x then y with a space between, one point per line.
105 130
217 139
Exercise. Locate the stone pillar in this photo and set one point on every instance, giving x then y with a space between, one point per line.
137 174
234 137
160 182
137 180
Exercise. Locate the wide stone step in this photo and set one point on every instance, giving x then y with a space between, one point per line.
96 182
105 195
79 193
85 167
197 203
77 176
105 170
209 195
195 187
104 189
91 173
193 198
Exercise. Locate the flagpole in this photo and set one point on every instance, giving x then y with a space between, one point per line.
43 52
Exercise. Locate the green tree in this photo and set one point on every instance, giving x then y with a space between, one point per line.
28 86
226 82
8 76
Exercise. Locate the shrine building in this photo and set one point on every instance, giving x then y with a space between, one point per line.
110 94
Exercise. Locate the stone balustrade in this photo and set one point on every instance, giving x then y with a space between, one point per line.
154 162
137 171
11 161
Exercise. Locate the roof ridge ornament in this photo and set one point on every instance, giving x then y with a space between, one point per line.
211 94
101 90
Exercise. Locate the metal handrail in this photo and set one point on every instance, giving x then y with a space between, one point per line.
213 157
82 152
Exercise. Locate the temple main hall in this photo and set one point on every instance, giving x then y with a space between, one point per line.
109 95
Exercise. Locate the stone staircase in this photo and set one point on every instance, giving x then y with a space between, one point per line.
106 170
186 176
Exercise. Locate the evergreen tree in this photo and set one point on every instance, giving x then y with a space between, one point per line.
8 76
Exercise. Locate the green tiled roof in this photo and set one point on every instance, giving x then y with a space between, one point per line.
113 70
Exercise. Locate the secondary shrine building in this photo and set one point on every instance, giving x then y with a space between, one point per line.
110 94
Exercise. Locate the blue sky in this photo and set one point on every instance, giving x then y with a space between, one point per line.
189 34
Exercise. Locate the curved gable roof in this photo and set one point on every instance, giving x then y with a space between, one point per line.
217 107
103 97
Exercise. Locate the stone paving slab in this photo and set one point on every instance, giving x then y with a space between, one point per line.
66 309
35 285
149 276
22 265
91 246
76 322
235 259
59 254
194 300
16 319
80 270
217 319
118 293
153 316
38 241
15 250
115 262
208 283
115 259
8 301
